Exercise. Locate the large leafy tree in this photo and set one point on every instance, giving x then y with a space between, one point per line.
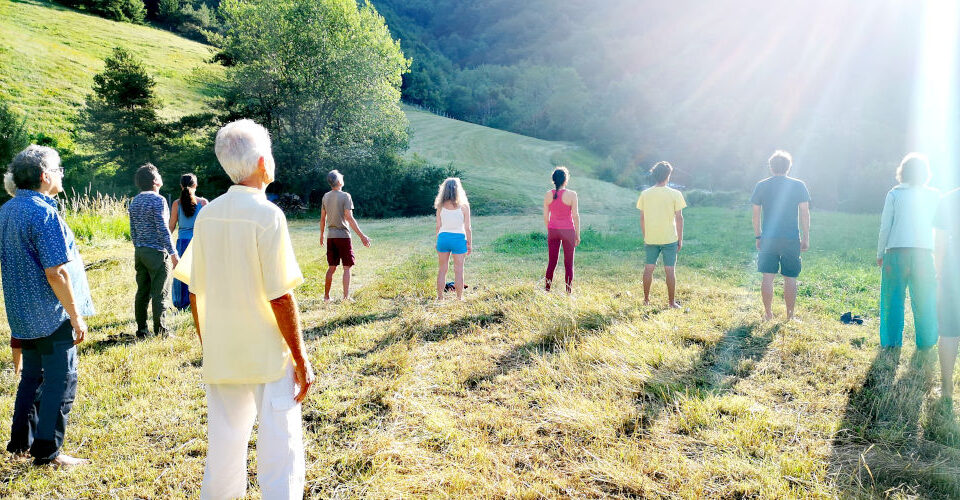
120 117
323 76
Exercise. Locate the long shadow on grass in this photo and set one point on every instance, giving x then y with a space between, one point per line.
719 368
552 339
99 346
326 328
883 447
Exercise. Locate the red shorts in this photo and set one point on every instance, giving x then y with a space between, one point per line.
16 343
339 249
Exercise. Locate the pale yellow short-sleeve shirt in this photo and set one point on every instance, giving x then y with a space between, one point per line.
239 260
660 205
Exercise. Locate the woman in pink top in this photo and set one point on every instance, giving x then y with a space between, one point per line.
562 218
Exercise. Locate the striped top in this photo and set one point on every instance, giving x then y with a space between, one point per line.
148 222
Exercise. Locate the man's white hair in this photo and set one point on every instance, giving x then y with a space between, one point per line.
239 146
8 185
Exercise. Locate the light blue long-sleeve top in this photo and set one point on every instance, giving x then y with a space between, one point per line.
907 219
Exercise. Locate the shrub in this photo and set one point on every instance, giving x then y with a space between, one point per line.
13 134
705 198
394 186
131 11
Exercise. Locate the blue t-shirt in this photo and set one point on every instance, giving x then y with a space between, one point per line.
780 197
33 237
948 221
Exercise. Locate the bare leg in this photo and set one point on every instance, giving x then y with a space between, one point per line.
346 282
327 282
671 287
647 281
458 273
17 360
442 265
948 359
766 292
790 295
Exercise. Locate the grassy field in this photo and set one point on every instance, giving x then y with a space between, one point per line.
49 54
521 394
515 393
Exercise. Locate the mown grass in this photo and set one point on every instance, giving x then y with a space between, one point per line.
507 172
521 394
49 54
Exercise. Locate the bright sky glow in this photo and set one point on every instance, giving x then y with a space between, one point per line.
936 119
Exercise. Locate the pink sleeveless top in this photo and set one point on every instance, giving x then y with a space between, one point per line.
561 214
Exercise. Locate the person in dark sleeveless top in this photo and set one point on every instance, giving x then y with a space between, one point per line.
562 218
183 213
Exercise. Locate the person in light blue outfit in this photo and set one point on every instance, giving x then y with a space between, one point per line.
183 213
46 296
905 255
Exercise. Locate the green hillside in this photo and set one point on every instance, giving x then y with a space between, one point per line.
509 172
49 54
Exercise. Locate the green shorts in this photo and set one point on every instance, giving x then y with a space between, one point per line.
669 252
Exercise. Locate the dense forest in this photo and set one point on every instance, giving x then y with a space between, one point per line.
713 87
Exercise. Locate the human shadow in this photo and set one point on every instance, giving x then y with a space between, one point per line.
549 341
328 327
718 368
882 447
99 346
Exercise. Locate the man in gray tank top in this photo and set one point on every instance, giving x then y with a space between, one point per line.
336 218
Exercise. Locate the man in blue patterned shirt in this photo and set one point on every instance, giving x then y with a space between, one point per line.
154 253
46 295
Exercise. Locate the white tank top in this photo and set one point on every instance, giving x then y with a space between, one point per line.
451 221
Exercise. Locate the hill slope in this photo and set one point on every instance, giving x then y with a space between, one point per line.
506 170
49 54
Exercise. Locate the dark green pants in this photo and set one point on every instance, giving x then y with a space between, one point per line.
908 268
153 285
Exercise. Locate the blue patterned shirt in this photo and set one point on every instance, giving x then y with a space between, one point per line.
148 222
33 237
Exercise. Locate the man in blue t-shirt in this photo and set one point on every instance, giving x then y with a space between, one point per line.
947 253
781 235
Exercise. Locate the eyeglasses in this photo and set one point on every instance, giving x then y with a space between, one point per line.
58 170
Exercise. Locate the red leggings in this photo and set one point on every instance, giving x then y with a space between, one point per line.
556 238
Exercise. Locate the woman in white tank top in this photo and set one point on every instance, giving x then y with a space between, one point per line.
454 235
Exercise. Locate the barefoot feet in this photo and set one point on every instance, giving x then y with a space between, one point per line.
66 461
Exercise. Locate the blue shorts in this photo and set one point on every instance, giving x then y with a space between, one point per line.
780 255
455 243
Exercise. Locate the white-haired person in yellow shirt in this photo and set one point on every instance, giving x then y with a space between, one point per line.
241 271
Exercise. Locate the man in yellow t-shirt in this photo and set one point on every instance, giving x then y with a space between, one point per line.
661 220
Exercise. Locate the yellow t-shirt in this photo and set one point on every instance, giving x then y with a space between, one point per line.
239 260
660 205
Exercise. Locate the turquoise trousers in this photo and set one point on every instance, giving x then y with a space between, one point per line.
911 268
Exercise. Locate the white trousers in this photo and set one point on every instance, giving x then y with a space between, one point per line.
231 411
